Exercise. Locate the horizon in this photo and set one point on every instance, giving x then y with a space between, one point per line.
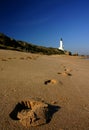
44 23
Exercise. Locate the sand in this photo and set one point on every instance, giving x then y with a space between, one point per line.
57 79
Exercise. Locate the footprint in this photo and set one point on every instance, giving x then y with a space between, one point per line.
28 58
22 58
2 69
65 73
4 59
52 81
9 58
33 112
67 70
59 73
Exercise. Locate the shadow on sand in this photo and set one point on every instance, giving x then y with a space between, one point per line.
52 110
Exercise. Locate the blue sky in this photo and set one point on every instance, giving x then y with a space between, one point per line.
44 22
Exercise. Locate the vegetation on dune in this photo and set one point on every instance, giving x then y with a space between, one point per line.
12 44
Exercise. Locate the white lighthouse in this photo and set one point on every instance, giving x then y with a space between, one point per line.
61 45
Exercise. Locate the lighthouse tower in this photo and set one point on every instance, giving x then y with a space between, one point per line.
61 45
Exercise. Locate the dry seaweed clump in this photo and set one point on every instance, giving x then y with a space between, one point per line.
33 112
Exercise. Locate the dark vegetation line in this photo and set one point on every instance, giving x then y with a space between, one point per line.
12 44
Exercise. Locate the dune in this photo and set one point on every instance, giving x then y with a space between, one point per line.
58 80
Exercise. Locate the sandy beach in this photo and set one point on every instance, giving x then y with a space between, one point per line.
60 80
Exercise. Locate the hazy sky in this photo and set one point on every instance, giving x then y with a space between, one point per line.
44 22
